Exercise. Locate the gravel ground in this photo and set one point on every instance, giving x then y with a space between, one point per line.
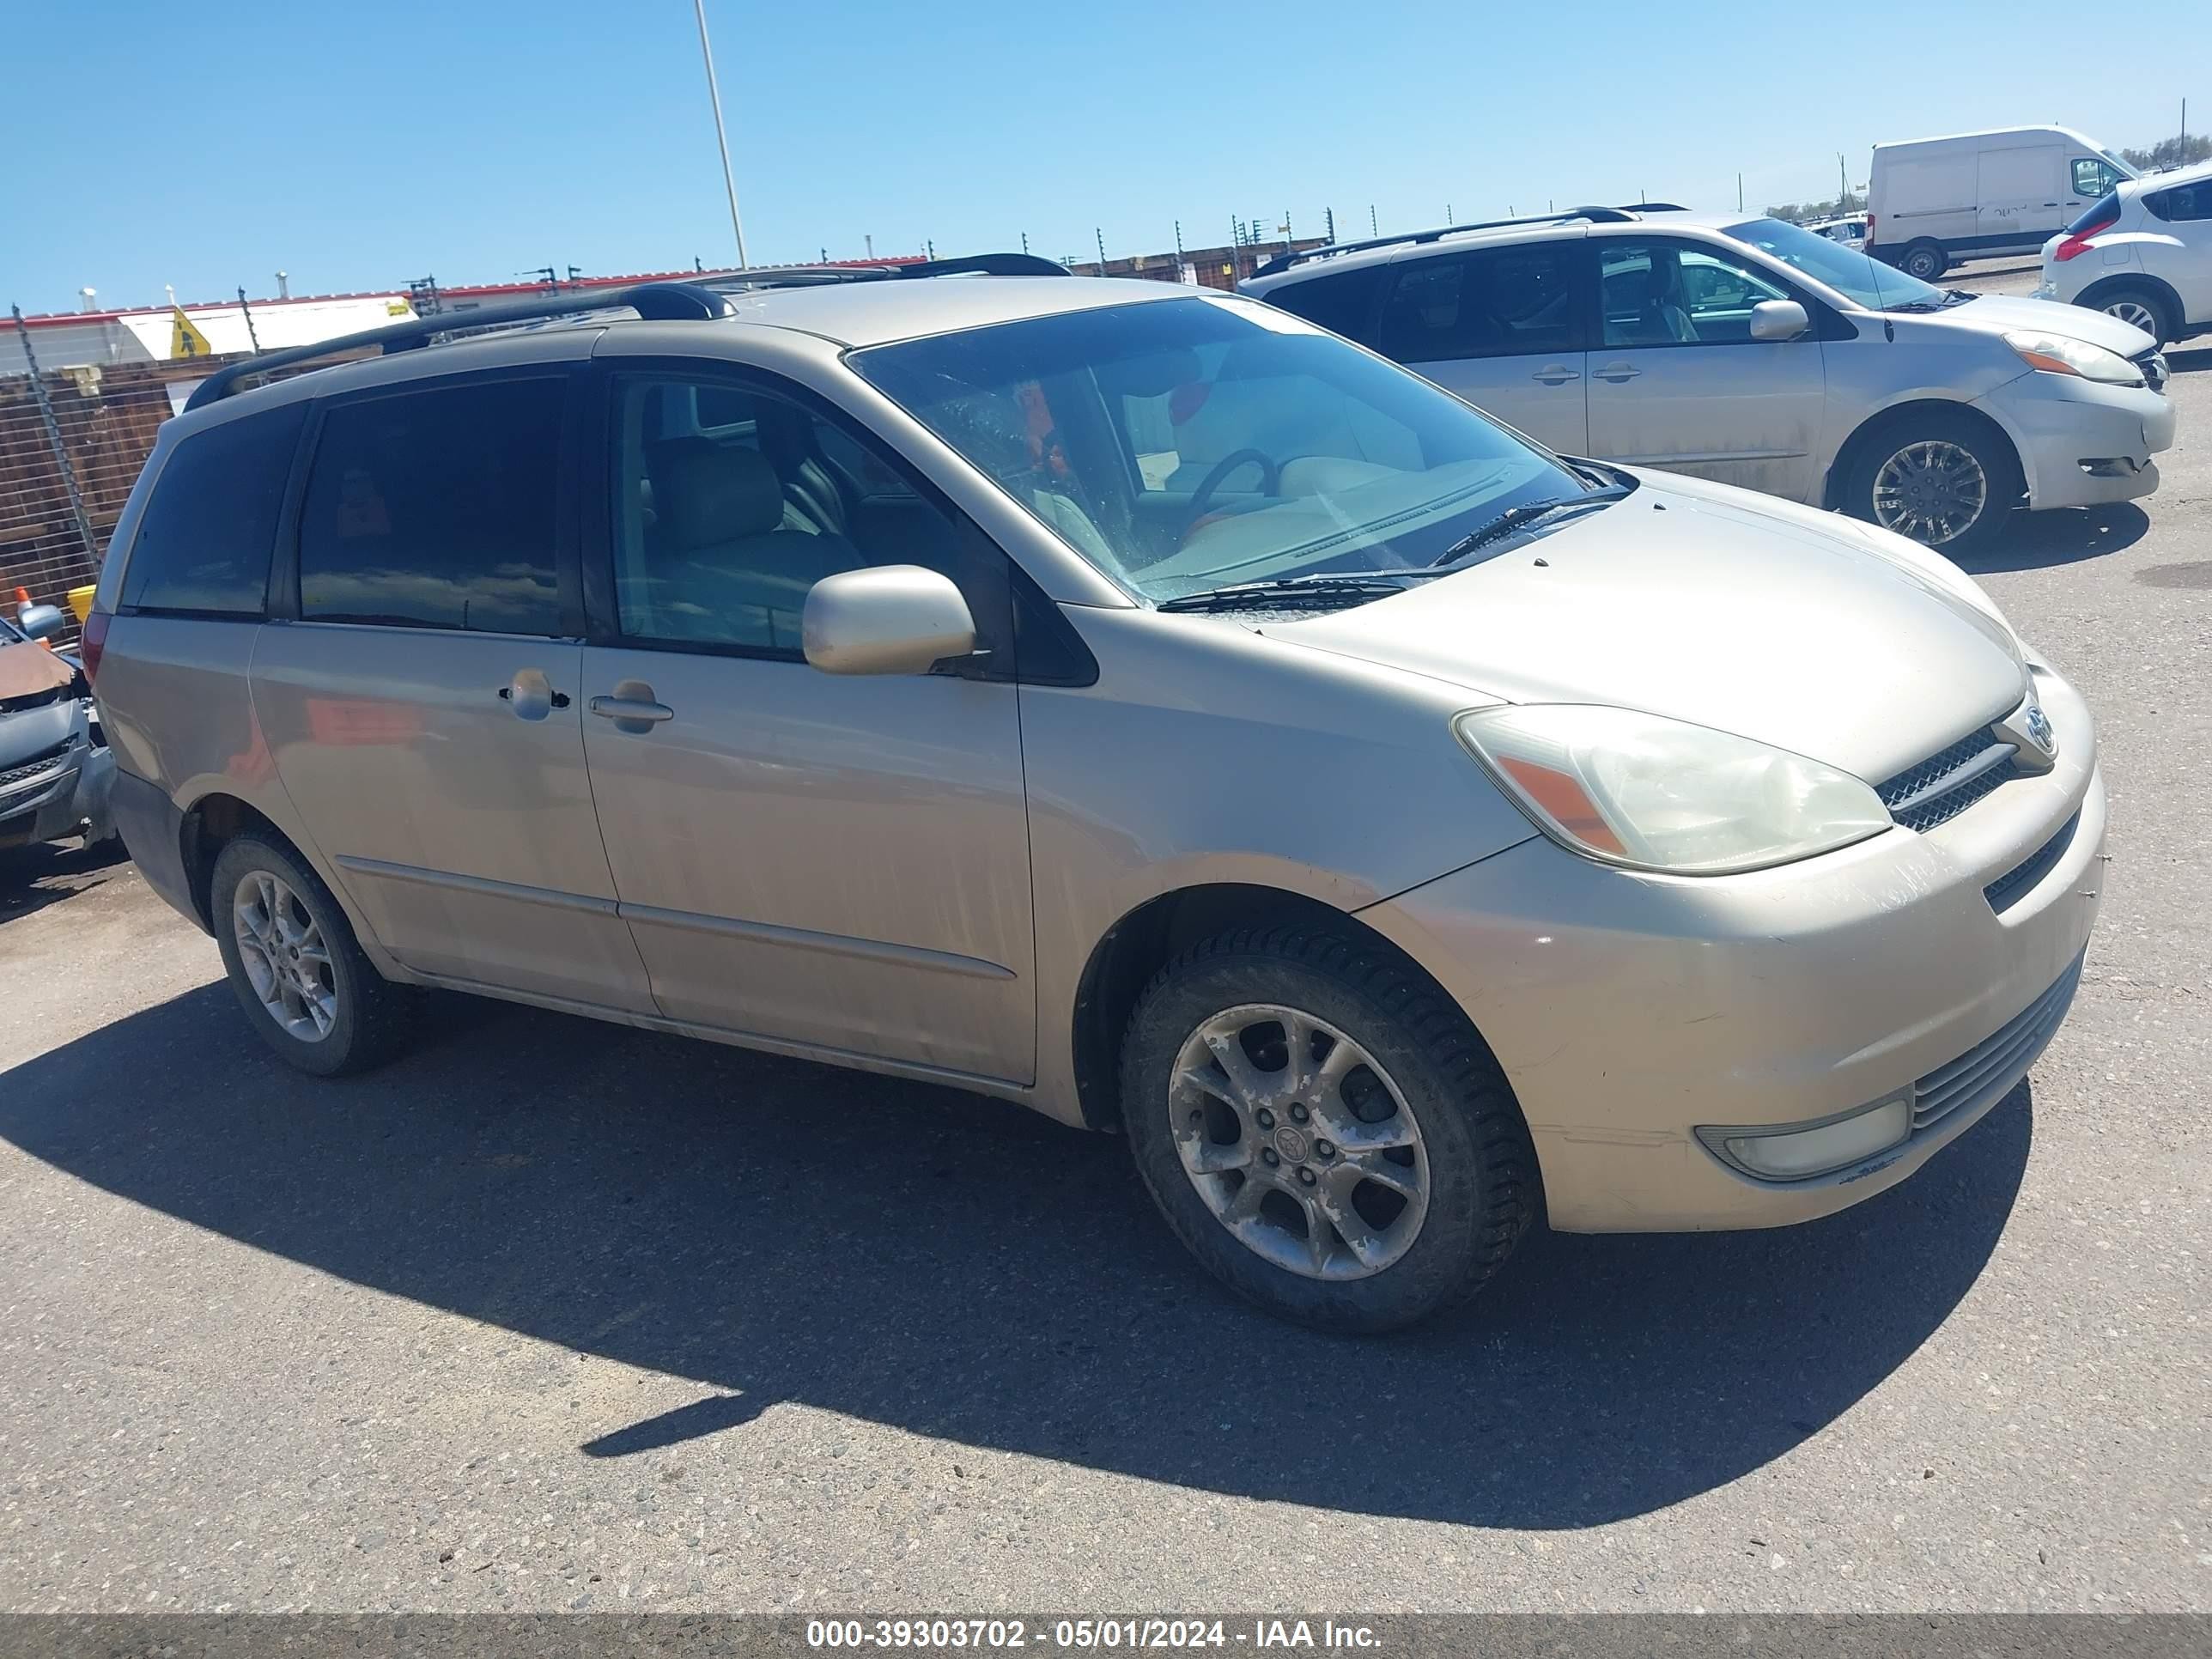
552 1315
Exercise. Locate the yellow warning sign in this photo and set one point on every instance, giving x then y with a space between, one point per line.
184 338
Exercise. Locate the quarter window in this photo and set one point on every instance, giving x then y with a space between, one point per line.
203 543
436 509
731 502
1342 302
1497 302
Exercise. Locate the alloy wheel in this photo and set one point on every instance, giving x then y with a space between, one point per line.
285 959
1933 491
2137 315
1299 1142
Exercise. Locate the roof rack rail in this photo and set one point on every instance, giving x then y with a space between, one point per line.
655 301
1283 262
984 265
1653 207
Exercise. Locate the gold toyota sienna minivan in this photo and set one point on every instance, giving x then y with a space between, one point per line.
1130 700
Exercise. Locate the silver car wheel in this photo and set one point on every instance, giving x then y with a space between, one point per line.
1933 491
285 958
1299 1142
2137 315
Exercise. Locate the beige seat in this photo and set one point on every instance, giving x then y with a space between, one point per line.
724 564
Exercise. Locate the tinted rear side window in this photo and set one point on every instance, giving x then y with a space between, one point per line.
2182 204
1343 304
2102 211
436 509
203 545
1499 303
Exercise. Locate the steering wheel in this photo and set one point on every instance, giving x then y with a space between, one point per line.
1270 481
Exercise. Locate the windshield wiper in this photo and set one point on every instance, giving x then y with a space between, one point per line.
1519 517
1323 586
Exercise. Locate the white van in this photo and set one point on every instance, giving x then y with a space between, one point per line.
1932 202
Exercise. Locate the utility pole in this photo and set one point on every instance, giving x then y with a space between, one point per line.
721 137
1842 187
1371 231
246 312
1739 192
1025 242
1332 225
1101 236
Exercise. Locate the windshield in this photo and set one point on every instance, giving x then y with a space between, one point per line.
1185 445
1854 275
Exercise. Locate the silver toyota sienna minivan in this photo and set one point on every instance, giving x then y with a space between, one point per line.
1130 700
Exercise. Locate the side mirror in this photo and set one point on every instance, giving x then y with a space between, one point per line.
40 622
1778 320
892 619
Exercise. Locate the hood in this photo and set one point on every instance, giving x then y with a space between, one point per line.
1716 606
26 669
1999 314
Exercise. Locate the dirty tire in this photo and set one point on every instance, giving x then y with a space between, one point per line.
371 1013
1483 1191
2000 467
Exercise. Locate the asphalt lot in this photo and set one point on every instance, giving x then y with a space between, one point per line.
552 1315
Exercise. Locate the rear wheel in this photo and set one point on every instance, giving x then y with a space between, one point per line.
294 963
1945 481
1326 1133
1925 260
2141 308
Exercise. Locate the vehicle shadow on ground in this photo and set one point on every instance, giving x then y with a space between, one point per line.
32 877
2038 541
964 1269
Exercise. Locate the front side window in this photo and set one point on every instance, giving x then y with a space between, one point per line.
2093 176
204 540
1677 294
1187 444
435 508
731 501
1494 303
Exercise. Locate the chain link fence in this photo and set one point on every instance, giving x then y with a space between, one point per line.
72 441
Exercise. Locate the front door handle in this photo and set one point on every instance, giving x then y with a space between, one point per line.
1616 372
531 695
1556 375
632 707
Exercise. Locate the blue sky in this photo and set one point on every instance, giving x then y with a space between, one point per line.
359 146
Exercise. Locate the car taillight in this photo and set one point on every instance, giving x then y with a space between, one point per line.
90 642
2076 242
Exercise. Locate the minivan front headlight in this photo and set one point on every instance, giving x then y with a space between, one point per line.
2055 354
1653 793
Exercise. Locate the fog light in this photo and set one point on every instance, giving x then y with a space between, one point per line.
1788 1154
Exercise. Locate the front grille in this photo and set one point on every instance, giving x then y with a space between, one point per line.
30 768
2152 366
1948 782
2016 881
1987 1072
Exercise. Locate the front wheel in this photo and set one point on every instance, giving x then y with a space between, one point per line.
290 954
1944 481
1323 1130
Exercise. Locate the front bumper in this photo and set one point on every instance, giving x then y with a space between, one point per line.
2081 443
56 798
1629 1010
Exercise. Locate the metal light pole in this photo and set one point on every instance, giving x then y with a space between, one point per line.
721 137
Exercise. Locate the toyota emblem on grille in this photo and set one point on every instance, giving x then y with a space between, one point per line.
2027 729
